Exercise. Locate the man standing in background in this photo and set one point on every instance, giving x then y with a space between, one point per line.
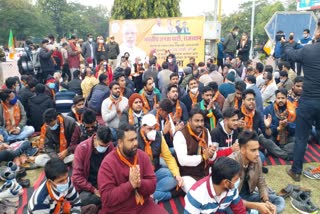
114 51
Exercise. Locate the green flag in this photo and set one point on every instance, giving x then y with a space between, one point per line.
11 42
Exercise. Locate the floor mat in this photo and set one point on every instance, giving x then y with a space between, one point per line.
312 155
173 206
176 205
27 193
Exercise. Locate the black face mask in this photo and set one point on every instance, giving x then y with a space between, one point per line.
208 65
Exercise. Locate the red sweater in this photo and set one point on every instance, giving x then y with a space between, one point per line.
81 165
117 194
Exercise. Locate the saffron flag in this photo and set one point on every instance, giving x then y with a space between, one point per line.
11 45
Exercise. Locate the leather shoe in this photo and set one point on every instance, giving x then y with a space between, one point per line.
294 176
25 183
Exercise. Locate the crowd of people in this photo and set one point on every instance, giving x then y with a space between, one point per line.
118 135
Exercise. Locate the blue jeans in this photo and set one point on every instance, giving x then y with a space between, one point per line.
262 157
278 201
165 183
25 132
9 155
307 113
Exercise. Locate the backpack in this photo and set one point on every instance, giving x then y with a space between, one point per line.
36 59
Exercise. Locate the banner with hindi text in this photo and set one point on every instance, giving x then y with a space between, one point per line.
182 36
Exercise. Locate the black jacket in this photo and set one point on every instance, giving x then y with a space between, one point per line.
25 94
46 61
37 106
220 136
244 52
75 86
309 58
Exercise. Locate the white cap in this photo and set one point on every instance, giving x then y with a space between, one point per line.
149 120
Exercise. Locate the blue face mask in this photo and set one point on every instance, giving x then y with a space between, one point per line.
101 149
54 127
62 187
13 101
51 85
236 184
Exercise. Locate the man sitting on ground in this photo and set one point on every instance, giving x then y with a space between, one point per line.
153 143
13 117
54 193
282 127
126 178
218 191
210 107
135 111
193 149
77 109
235 99
87 160
55 137
251 177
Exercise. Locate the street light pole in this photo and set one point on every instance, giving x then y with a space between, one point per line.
252 26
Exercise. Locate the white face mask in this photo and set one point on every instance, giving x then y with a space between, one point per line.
236 33
91 65
194 90
101 41
152 135
170 60
90 39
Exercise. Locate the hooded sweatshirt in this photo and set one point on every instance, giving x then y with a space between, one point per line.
220 135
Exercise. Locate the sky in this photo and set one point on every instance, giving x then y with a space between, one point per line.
187 7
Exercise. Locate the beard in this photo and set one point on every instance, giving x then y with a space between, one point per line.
130 152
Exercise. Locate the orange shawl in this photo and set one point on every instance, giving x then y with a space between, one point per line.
60 202
194 98
131 116
7 118
177 115
201 140
114 101
147 147
62 137
248 117
139 198
146 103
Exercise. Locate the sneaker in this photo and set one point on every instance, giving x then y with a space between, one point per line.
12 166
10 190
304 207
299 196
312 173
294 176
7 175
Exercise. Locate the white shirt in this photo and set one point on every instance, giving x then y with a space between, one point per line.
180 147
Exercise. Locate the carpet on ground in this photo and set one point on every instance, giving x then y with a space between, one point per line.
175 205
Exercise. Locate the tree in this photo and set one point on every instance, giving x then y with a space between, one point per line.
141 9
263 13
23 18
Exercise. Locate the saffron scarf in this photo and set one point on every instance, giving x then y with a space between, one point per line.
194 98
248 117
236 102
139 198
101 47
295 98
60 202
211 115
7 118
177 115
290 115
62 139
147 147
78 117
201 140
131 115
146 103
114 101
